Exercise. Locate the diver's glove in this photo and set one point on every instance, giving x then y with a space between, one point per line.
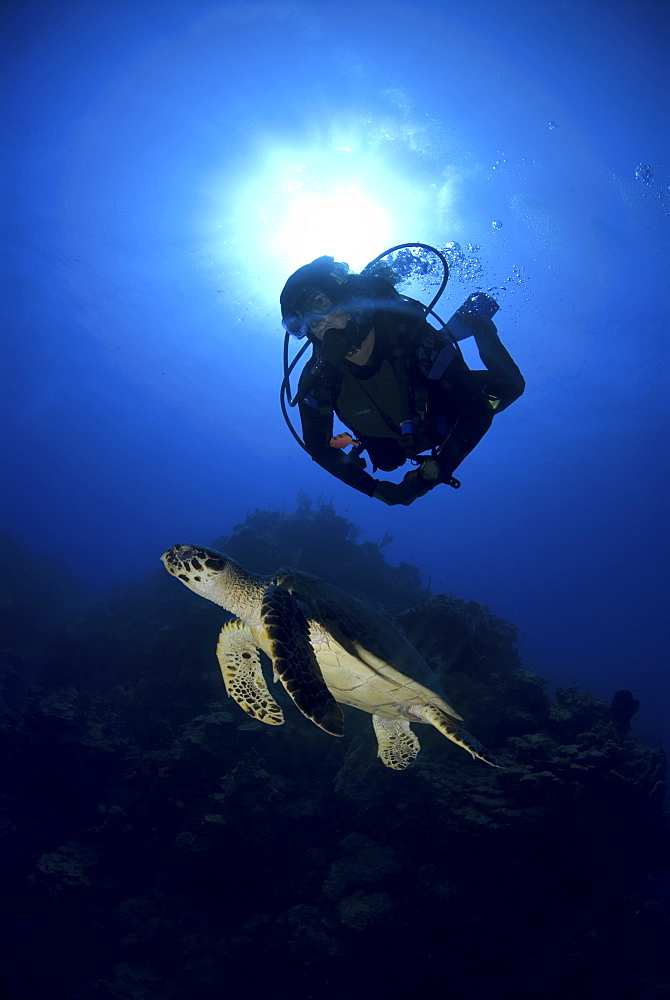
413 486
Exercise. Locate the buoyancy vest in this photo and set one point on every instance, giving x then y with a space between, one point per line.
371 406
376 399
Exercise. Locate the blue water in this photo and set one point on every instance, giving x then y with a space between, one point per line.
170 164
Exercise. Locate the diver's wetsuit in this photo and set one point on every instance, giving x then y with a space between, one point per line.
415 372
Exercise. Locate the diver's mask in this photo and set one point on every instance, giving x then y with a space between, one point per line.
308 312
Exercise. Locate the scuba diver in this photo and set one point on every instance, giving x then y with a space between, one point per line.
400 385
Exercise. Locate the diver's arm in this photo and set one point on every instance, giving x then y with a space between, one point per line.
317 430
413 486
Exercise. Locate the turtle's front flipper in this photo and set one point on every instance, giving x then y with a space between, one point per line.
241 668
446 725
398 745
294 661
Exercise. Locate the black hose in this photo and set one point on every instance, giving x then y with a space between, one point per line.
420 246
285 388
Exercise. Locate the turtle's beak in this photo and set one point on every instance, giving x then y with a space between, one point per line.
178 558
166 563
189 559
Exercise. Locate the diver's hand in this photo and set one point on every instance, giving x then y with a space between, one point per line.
406 492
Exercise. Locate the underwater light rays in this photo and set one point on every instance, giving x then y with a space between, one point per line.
298 202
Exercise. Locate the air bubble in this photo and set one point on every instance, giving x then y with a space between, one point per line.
415 265
497 224
643 172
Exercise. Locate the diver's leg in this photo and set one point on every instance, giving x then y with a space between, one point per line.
506 382
460 413
468 431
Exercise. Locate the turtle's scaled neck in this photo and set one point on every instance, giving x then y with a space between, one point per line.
241 592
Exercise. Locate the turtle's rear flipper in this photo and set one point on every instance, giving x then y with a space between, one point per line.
446 725
294 661
398 745
240 665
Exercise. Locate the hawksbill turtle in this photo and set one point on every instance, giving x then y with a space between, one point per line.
327 648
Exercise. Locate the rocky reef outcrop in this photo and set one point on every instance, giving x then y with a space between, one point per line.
160 844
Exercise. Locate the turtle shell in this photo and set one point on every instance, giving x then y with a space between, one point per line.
363 633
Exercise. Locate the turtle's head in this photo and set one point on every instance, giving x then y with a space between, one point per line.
202 570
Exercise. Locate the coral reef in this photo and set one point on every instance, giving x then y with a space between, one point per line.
160 844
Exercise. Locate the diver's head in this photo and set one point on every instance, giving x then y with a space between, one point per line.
316 298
